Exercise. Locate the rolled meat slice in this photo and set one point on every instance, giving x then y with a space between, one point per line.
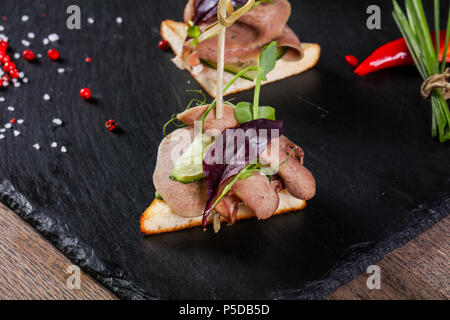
256 192
288 159
186 200
192 115
246 38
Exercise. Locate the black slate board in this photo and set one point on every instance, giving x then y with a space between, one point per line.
382 179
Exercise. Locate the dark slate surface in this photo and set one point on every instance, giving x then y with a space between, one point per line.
381 178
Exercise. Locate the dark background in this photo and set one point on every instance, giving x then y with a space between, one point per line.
381 178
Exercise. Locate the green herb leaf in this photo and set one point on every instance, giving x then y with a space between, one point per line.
243 112
262 1
268 59
267 113
193 32
248 171
174 119
244 174
158 196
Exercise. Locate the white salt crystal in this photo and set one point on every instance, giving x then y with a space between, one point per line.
20 121
61 70
8 125
25 18
11 108
54 145
57 122
90 20
45 41
26 43
119 20
36 146
31 35
16 133
2 99
16 55
63 149
53 37
2 137
47 97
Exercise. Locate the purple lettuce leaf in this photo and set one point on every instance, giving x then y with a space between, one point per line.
205 9
227 157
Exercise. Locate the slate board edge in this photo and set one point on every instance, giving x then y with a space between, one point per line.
348 269
345 271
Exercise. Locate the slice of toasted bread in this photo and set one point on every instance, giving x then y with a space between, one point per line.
159 218
175 33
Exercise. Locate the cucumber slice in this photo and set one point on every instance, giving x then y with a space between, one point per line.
281 52
189 167
235 69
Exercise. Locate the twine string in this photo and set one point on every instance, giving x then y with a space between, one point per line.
436 81
225 21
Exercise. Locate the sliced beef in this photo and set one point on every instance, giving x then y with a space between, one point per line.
277 184
298 180
192 115
288 39
246 38
229 205
186 200
289 160
256 192
189 11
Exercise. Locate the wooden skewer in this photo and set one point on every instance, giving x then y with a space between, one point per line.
222 10
226 16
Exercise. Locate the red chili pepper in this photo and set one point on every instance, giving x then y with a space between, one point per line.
352 61
14 120
164 45
394 54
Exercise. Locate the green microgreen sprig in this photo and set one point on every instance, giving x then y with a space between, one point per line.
174 119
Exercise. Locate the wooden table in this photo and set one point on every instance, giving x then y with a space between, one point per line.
31 268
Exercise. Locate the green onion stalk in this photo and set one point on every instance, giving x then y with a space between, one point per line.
415 30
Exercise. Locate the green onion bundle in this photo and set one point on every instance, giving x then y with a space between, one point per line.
414 28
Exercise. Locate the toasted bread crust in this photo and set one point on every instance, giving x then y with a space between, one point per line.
159 218
175 34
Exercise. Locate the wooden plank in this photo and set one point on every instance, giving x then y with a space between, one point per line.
418 270
31 268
